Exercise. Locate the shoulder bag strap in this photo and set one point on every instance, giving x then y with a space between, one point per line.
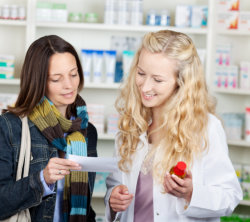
24 156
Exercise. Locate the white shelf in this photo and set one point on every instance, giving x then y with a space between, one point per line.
106 137
12 22
102 85
126 28
245 202
98 195
10 81
241 143
87 85
233 91
234 32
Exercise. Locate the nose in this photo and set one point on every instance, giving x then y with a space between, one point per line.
146 85
67 83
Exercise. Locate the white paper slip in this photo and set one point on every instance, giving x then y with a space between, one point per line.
95 164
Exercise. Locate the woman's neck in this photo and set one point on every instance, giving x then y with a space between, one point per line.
62 110
153 137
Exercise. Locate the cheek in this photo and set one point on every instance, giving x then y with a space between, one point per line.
52 90
138 81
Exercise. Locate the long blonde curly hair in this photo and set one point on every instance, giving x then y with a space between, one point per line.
183 132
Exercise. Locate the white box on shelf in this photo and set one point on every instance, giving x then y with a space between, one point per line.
226 5
183 16
218 77
246 190
7 99
244 21
223 54
227 20
244 75
233 75
199 16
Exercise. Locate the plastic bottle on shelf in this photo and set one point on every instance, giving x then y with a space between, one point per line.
165 18
110 12
247 125
5 12
21 13
151 17
179 170
14 12
136 12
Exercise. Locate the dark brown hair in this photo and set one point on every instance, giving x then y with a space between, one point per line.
34 73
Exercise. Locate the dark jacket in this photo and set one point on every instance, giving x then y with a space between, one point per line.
28 192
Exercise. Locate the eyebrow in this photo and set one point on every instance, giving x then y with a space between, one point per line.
155 75
56 74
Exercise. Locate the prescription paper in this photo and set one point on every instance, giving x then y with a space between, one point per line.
95 164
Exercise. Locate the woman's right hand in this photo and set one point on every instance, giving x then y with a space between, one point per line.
120 198
57 168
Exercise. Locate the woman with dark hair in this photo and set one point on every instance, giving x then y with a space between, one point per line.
51 79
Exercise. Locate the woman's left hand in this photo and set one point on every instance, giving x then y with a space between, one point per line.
178 187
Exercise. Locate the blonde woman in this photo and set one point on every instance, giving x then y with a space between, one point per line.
166 116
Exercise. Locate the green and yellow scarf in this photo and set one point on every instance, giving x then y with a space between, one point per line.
54 126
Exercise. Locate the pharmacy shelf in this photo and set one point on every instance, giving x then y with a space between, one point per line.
233 91
234 32
87 85
102 85
106 137
125 28
9 81
241 143
245 202
13 22
98 195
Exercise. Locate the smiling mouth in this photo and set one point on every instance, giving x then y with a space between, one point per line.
68 94
148 96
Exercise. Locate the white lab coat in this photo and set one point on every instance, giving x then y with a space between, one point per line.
216 190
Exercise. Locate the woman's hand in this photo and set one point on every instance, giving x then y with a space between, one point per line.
120 198
179 187
57 168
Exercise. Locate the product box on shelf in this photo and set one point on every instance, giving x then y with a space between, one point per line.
246 174
223 54
7 99
228 5
199 16
183 16
112 123
246 190
244 21
238 171
100 183
227 20
247 124
233 124
244 75
7 66
51 12
96 116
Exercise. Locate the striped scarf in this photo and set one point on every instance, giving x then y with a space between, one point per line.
53 126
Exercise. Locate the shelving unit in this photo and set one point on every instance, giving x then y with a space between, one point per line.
239 92
239 143
86 35
234 100
125 28
12 23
